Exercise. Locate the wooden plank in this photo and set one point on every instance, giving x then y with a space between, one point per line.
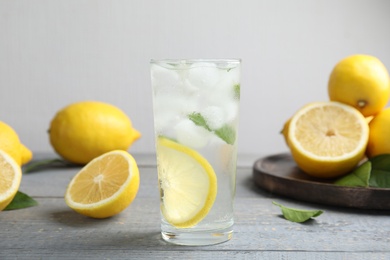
259 226
180 254
52 230
52 182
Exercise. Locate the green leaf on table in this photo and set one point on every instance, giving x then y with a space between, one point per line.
298 215
43 164
226 132
358 178
20 201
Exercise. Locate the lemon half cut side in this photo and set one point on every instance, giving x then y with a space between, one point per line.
105 186
327 139
10 178
188 184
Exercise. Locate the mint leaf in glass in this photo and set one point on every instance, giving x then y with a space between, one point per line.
358 178
237 91
226 132
20 201
199 120
298 215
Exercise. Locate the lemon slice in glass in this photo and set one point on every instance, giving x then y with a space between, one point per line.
188 184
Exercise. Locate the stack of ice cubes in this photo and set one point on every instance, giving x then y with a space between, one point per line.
181 89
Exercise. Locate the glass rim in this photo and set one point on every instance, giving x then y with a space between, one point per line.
191 61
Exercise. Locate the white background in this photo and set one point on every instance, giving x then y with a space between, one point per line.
53 53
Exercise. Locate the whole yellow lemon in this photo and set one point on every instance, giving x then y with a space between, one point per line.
85 130
361 81
10 143
26 154
379 141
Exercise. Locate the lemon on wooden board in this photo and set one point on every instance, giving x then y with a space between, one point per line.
10 143
10 178
361 81
379 139
327 139
85 130
188 184
105 186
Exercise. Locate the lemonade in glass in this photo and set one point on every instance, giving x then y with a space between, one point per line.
196 105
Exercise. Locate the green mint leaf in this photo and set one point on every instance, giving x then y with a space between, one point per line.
358 178
226 132
20 201
298 215
237 91
380 173
199 120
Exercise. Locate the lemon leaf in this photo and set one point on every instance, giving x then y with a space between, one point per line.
226 132
44 164
380 173
298 215
358 178
373 173
20 201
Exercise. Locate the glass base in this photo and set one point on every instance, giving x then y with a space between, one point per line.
198 238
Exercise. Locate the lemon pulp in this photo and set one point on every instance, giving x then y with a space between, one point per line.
105 186
188 184
327 139
10 178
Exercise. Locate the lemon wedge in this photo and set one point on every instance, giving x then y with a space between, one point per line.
327 139
10 178
188 184
105 186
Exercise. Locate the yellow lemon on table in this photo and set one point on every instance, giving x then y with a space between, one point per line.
26 154
361 81
379 140
10 143
105 186
187 181
85 130
10 178
327 139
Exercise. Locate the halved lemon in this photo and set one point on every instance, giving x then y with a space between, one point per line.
327 139
10 178
105 186
188 184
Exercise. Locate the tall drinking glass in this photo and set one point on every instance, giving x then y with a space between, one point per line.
196 105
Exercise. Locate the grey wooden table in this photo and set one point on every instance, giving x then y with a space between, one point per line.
51 230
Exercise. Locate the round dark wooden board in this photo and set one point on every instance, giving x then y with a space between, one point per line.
280 175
